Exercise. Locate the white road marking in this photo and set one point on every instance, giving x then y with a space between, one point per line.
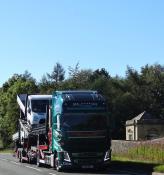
15 162
52 174
3 159
33 168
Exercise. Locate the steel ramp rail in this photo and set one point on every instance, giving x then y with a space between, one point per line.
21 100
35 130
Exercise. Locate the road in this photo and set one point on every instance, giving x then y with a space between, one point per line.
10 165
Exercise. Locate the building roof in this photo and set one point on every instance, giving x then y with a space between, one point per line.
144 116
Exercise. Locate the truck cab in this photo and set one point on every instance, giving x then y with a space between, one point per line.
80 130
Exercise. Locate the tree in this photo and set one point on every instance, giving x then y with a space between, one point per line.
153 89
126 97
73 73
100 73
79 79
9 111
45 85
57 74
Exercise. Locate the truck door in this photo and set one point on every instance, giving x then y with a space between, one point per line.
57 133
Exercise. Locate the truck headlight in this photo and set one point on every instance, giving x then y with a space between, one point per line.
66 157
107 155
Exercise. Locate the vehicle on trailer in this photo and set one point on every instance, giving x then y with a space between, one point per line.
33 108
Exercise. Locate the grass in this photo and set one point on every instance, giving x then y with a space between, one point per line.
6 151
1 145
148 152
126 159
145 152
159 168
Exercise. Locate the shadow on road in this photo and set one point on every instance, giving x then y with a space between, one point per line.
121 167
135 167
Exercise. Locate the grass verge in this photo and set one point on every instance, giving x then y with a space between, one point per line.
6 151
159 168
127 159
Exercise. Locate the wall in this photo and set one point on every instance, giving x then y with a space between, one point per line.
122 146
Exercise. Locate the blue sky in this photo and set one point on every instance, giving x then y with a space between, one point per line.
110 34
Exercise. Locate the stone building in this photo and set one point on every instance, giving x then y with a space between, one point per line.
144 127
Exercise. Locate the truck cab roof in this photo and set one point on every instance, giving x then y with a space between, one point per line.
86 95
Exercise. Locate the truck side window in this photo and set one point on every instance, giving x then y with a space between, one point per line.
28 103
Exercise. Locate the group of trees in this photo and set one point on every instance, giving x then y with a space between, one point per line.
126 96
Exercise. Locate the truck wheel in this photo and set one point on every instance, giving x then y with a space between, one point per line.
37 161
19 154
21 159
29 160
57 167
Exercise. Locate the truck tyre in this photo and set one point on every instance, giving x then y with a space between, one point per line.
19 154
37 160
57 167
29 160
21 159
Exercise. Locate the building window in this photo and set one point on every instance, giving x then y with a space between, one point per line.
152 134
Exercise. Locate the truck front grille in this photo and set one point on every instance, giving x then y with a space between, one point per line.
87 154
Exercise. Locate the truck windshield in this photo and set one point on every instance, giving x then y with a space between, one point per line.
85 121
39 105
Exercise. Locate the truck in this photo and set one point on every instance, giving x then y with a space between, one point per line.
76 133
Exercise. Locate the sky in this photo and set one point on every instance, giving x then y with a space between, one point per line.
110 34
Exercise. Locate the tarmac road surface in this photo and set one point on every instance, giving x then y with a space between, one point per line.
9 165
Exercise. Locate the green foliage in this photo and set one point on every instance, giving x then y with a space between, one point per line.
1 144
100 73
53 81
9 111
11 151
126 97
159 168
145 152
57 74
